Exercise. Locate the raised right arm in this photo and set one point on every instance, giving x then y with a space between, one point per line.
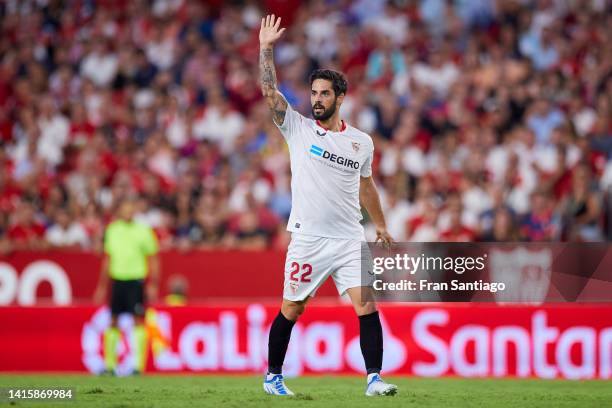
268 34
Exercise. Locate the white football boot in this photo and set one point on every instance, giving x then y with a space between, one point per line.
274 384
376 386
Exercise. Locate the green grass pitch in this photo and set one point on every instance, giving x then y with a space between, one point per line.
312 392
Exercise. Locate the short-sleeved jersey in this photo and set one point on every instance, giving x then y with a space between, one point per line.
128 244
326 168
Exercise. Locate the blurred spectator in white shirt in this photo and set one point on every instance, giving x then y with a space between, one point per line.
65 232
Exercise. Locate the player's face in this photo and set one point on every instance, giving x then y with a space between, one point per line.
323 99
127 210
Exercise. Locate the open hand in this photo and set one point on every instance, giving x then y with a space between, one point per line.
269 31
98 297
383 236
152 293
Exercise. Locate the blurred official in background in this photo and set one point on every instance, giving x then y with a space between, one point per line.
130 254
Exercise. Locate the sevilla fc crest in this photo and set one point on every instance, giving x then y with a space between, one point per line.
355 146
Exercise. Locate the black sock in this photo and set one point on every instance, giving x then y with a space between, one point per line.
371 341
280 333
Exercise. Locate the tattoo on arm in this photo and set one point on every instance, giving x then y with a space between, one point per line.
276 102
268 73
279 109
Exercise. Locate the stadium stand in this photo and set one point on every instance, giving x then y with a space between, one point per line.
492 120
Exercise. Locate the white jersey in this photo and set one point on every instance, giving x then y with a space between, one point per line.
326 168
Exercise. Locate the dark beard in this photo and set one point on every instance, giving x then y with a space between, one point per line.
327 113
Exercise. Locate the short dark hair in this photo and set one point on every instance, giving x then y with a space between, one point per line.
338 80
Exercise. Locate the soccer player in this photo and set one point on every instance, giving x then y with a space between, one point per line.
331 167
130 251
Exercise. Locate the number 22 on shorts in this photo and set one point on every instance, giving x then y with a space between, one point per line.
295 269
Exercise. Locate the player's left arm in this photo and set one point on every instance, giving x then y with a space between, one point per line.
103 279
151 250
368 196
155 272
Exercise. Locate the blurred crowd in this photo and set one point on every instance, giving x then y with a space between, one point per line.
492 120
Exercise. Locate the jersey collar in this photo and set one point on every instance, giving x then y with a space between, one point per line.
342 127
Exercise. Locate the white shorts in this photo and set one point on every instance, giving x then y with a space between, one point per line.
311 260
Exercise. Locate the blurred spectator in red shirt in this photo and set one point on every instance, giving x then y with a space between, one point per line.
25 232
456 231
